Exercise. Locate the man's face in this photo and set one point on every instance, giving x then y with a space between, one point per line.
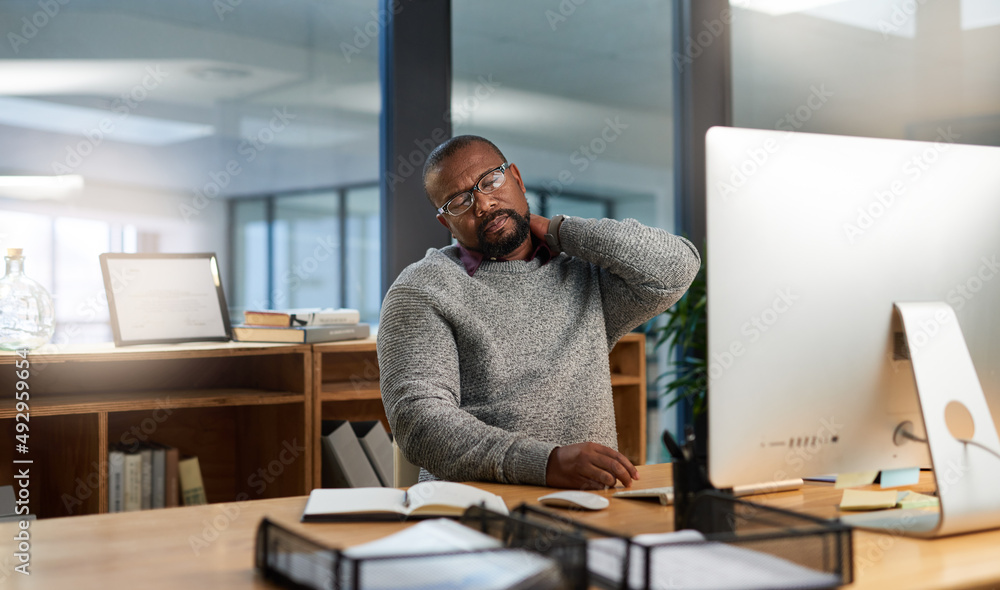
498 222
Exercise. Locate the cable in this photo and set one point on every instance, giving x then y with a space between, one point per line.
907 434
911 436
980 445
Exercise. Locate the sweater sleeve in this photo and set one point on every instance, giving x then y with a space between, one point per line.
642 270
420 385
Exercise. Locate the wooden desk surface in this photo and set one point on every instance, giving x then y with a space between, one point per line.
212 546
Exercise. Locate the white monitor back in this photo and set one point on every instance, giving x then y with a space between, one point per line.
811 239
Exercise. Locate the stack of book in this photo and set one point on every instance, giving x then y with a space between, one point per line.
151 475
302 326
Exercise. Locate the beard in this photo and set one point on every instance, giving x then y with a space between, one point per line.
509 240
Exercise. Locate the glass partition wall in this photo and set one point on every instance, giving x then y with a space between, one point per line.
580 97
162 113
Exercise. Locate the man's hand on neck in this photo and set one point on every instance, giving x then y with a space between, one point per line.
538 226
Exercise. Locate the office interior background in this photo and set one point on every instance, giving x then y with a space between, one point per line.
251 128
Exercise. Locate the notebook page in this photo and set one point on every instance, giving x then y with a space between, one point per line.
430 493
354 500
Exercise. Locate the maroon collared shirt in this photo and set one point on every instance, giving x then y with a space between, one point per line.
472 260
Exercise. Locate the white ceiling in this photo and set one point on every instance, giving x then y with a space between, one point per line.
229 72
559 81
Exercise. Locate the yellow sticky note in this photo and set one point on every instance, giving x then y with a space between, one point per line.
853 480
915 500
867 500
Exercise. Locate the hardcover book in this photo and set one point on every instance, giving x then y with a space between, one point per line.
301 335
192 487
158 475
171 478
313 316
116 474
132 482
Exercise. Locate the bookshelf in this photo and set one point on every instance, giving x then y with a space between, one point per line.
628 386
346 381
250 412
241 408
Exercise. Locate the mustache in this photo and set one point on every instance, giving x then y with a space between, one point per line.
492 217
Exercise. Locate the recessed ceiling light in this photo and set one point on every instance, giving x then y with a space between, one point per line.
215 73
777 7
40 187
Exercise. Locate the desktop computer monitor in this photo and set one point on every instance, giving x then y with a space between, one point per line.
817 246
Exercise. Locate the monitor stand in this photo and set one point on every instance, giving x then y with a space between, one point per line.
954 408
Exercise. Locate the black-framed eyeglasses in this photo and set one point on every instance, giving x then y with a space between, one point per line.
486 184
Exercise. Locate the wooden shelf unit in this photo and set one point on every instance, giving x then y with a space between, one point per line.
628 386
251 413
242 409
346 381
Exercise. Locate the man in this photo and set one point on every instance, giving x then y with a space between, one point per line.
493 353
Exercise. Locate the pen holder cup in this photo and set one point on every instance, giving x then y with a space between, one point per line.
690 482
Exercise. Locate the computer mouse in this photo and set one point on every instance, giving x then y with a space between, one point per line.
573 499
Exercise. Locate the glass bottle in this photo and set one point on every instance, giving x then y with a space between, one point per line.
27 317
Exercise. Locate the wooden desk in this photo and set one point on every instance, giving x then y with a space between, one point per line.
212 546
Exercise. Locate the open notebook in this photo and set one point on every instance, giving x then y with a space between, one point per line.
423 500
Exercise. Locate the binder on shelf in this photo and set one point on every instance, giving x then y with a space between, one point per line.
377 447
345 464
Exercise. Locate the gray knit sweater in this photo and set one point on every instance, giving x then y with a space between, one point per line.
483 376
